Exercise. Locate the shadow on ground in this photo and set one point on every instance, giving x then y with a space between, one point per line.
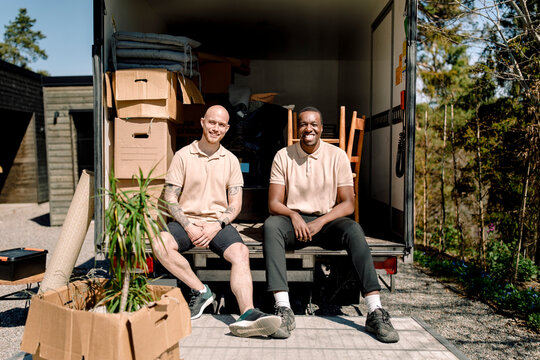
43 220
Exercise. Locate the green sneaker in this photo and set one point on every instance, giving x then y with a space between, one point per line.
288 323
378 323
200 301
255 323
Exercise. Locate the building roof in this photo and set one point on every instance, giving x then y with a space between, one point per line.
4 65
51 81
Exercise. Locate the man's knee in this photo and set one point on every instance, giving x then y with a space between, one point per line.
276 227
164 246
237 253
349 227
274 223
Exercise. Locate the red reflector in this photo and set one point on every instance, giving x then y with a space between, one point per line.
389 264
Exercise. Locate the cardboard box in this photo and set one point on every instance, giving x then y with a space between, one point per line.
143 143
59 327
145 93
19 263
215 77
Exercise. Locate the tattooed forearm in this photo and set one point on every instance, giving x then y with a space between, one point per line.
229 210
172 193
234 190
178 215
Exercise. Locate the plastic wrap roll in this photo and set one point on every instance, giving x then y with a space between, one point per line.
74 231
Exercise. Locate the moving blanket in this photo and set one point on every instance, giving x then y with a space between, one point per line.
154 51
157 38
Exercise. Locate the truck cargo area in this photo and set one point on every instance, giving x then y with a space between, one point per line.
320 53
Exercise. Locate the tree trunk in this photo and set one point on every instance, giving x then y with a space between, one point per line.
537 252
480 196
455 193
125 289
425 175
522 213
442 238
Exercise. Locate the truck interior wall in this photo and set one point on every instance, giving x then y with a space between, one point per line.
299 82
128 15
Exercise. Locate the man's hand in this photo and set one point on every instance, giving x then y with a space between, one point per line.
203 233
301 229
315 226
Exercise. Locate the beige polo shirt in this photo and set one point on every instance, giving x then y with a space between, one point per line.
205 180
311 180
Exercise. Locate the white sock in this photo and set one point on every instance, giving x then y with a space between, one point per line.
203 290
373 302
282 299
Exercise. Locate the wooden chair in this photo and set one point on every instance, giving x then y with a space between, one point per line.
292 130
357 124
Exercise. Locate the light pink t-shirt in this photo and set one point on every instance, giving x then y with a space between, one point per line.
311 180
205 180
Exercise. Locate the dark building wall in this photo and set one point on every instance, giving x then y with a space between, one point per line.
21 98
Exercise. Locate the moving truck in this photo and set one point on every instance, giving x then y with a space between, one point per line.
352 53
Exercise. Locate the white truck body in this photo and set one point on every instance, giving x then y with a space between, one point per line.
360 54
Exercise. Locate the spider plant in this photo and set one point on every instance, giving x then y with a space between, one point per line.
129 224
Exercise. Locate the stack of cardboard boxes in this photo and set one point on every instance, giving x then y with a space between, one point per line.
149 106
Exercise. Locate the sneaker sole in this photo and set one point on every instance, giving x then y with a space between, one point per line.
204 306
261 327
382 338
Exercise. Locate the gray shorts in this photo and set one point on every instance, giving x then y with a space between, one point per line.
223 239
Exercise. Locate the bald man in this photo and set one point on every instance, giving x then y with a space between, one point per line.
203 189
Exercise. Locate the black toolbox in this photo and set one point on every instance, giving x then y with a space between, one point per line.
19 263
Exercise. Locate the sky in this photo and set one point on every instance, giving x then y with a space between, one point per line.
67 25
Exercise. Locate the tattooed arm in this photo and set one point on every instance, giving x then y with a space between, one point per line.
172 193
234 197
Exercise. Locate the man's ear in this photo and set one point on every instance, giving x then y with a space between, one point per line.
202 120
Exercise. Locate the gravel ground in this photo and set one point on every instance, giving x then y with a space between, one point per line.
473 327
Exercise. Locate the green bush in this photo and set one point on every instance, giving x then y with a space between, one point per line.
500 263
527 270
487 287
534 321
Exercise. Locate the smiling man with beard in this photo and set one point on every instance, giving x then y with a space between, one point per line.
203 189
310 196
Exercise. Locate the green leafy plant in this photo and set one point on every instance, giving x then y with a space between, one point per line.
484 286
132 218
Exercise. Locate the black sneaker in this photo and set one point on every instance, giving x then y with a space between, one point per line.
200 301
378 323
255 323
287 322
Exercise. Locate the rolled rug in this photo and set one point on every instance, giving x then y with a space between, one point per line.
68 246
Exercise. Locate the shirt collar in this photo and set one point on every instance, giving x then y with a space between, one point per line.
194 149
315 155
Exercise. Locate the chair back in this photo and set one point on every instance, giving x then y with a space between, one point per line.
357 125
292 129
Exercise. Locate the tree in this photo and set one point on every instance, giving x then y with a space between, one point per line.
443 67
20 41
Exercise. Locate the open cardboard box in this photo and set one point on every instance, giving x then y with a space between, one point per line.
145 93
150 93
59 327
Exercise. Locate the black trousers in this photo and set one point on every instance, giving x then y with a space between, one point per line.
340 234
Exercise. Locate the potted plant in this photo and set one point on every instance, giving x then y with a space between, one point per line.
132 218
142 321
